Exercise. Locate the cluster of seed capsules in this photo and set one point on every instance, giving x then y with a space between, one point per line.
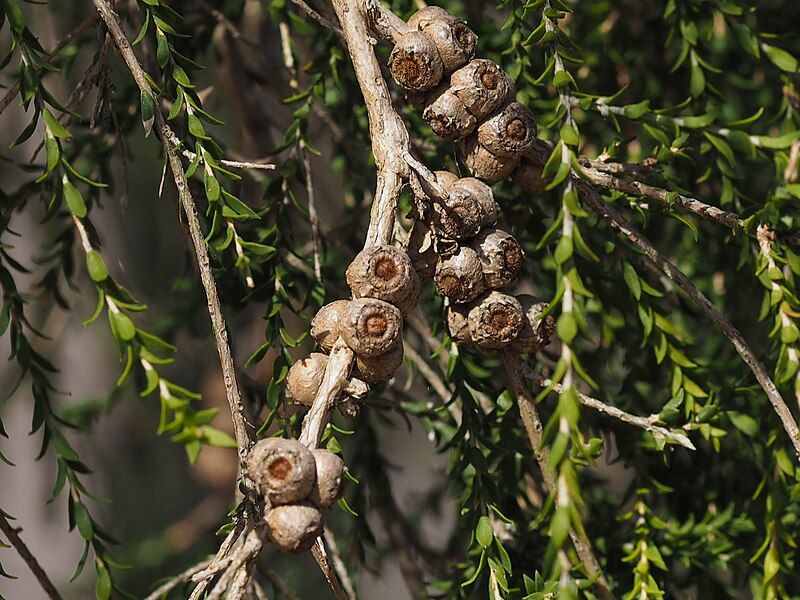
469 256
465 99
297 484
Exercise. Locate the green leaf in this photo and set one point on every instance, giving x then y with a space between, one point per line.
483 532
53 126
53 154
122 325
102 588
211 184
96 266
74 199
563 250
781 58
744 423
567 327
83 520
215 437
632 280
720 145
562 78
637 111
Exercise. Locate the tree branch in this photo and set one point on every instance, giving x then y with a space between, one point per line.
647 423
244 431
13 537
533 427
609 213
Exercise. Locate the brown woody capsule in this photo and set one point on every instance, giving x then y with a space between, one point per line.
371 326
283 470
421 251
460 276
485 165
385 273
415 62
528 176
482 86
500 255
293 528
421 18
453 38
325 324
304 378
481 193
536 332
510 132
494 320
445 178
459 216
330 478
377 369
457 323
447 116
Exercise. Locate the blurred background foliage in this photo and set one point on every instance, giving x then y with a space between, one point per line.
703 91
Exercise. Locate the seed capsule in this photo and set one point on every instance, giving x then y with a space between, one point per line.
415 62
535 332
460 276
447 116
371 326
485 165
528 176
325 324
482 87
453 38
293 528
283 470
459 216
510 132
330 478
445 178
500 255
385 273
494 320
481 193
377 369
304 378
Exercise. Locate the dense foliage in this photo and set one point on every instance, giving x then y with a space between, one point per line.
698 98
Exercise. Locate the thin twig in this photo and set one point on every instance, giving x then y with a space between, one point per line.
178 580
324 562
608 213
243 431
637 188
646 423
314 15
62 43
533 428
338 563
288 61
13 537
233 164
